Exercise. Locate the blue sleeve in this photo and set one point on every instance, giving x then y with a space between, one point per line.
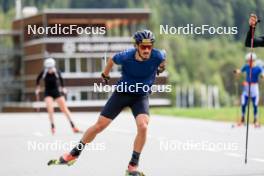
243 69
161 56
119 58
260 70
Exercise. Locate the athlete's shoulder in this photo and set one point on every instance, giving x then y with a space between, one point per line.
160 54
260 68
127 52
119 57
245 66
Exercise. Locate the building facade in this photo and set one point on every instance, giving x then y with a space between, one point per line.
80 55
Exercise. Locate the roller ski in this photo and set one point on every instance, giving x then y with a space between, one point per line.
256 124
135 173
53 130
66 159
132 171
241 123
76 130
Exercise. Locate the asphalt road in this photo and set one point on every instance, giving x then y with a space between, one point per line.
175 147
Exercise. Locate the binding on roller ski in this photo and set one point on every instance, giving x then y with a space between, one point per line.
62 161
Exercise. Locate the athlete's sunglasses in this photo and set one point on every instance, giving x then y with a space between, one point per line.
144 47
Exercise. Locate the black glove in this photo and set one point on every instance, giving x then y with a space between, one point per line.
160 70
105 78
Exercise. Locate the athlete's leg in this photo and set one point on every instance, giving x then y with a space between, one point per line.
112 108
99 126
244 102
140 110
255 101
255 106
50 109
142 121
88 137
64 109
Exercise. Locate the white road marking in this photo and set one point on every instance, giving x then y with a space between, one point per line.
234 155
38 134
258 159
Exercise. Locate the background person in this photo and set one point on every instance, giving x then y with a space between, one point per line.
53 87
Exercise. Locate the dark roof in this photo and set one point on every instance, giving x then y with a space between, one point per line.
98 10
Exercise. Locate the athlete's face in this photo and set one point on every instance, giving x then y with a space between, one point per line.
144 50
253 62
50 70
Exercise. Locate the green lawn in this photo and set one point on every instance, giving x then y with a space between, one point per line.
221 114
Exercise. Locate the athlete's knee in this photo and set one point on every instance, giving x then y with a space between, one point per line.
63 108
98 128
50 108
100 125
142 128
142 123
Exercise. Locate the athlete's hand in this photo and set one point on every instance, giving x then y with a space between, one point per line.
253 20
236 71
63 90
160 70
162 66
37 91
105 78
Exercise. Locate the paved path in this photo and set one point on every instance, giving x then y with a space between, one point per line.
175 147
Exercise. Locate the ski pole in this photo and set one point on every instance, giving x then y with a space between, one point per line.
249 90
237 99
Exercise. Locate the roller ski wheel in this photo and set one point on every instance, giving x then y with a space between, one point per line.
58 162
134 173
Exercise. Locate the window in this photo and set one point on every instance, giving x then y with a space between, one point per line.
72 65
84 95
84 67
96 65
73 98
61 64
102 96
90 95
89 61
99 96
116 68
